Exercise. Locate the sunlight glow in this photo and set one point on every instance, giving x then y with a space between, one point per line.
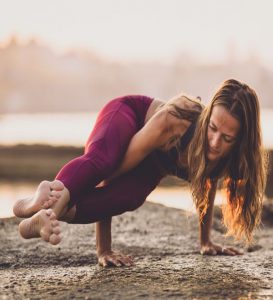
145 29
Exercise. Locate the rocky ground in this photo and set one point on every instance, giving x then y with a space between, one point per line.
164 243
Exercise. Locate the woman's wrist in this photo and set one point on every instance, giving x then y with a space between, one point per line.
103 236
101 251
205 242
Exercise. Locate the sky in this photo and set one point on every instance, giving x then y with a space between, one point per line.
210 31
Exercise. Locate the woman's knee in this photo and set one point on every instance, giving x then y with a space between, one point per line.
69 215
136 201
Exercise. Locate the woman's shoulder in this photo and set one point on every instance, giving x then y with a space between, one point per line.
171 124
186 102
155 110
137 97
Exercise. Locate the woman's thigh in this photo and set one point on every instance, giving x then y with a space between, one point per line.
104 150
125 193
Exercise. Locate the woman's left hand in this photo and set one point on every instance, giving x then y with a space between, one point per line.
103 183
116 259
214 249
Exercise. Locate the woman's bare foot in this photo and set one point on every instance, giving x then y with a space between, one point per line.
43 224
47 193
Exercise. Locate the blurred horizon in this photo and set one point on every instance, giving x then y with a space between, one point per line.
231 52
74 56
36 79
125 30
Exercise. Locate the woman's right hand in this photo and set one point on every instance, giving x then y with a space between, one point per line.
114 259
214 249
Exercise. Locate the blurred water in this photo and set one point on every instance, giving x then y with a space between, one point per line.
74 129
54 129
172 197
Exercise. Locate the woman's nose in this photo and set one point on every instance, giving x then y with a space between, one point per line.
215 141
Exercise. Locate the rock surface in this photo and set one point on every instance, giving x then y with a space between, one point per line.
164 243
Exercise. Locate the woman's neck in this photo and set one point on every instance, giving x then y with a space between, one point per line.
153 109
216 167
211 165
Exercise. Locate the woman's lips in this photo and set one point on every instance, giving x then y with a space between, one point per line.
213 151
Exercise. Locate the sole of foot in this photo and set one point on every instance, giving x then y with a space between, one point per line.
47 193
42 225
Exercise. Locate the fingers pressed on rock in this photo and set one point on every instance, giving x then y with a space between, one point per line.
237 252
122 261
115 259
104 263
228 252
111 261
208 251
129 263
116 262
211 251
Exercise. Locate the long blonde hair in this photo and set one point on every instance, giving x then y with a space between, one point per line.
244 170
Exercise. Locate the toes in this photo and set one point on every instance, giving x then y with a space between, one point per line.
56 230
43 186
50 202
46 205
52 217
49 211
44 183
45 234
55 223
57 185
55 194
54 239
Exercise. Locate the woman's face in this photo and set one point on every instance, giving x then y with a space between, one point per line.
223 130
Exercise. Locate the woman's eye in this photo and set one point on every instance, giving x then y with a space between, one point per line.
212 128
228 140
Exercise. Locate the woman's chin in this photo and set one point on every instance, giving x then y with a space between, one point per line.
212 157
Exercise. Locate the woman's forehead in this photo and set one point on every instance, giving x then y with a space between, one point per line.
224 121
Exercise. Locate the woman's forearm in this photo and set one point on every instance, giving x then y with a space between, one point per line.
103 236
153 135
206 223
107 257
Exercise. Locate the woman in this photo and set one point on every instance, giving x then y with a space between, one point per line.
147 139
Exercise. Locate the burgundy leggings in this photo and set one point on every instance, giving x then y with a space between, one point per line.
116 124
